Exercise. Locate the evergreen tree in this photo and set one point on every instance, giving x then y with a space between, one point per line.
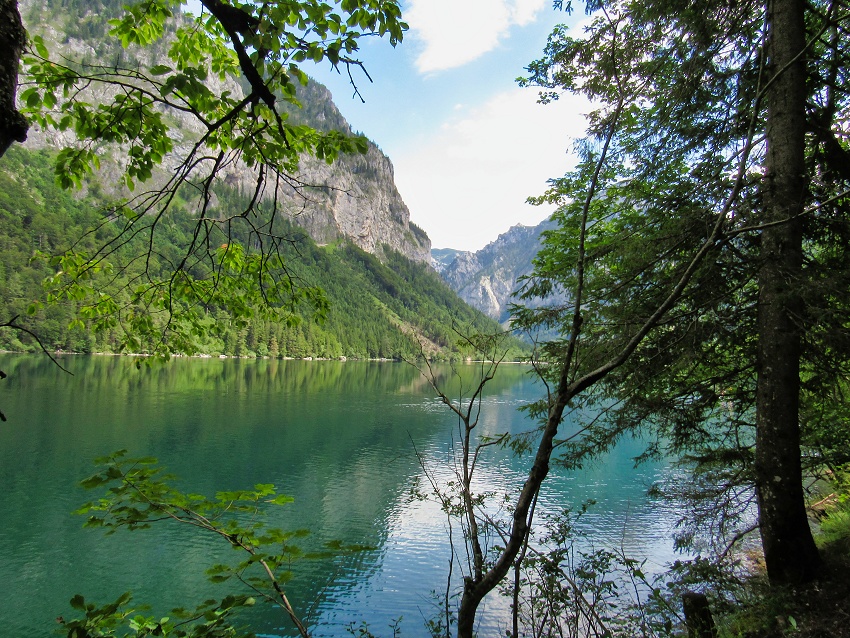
695 238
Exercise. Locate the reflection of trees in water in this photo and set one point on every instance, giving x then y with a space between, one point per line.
336 436
119 374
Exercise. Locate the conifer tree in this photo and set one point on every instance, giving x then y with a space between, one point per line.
694 239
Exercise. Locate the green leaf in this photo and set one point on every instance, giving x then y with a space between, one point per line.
78 602
32 98
38 42
281 499
92 482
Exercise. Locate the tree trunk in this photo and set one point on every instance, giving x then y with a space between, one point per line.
790 552
474 589
13 126
698 618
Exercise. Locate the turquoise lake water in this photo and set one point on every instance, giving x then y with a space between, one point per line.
340 437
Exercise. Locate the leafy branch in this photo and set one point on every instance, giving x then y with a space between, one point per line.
231 74
139 494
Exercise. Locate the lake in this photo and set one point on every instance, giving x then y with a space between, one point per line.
340 437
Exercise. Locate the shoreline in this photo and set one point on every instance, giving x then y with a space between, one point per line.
342 359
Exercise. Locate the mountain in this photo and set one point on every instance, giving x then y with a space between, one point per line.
377 308
487 279
349 233
441 258
354 198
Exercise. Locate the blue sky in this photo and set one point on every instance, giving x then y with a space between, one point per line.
468 145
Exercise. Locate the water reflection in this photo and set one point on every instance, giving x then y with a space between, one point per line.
339 437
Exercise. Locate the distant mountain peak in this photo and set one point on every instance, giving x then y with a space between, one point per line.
486 279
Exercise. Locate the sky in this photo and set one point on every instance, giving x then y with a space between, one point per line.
468 145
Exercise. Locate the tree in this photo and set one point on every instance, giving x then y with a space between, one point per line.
573 592
714 130
232 73
789 549
13 126
138 494
686 241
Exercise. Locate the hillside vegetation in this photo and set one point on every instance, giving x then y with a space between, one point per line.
375 309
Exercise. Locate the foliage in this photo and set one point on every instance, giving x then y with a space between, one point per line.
368 309
818 609
807 611
362 630
674 162
568 587
574 367
138 494
673 243
835 509
211 619
232 75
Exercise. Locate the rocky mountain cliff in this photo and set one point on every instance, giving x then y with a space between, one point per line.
355 198
487 279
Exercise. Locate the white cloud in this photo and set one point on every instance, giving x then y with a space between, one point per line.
468 182
525 11
452 33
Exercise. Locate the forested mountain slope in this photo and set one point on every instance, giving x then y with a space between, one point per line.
375 309
351 275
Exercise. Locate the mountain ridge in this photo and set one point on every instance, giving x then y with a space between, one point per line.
357 244
389 309
487 279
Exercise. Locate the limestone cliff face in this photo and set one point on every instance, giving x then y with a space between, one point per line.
359 201
487 279
354 198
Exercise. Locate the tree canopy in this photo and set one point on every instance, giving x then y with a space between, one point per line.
712 185
187 102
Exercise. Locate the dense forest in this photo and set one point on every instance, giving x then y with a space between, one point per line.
374 309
